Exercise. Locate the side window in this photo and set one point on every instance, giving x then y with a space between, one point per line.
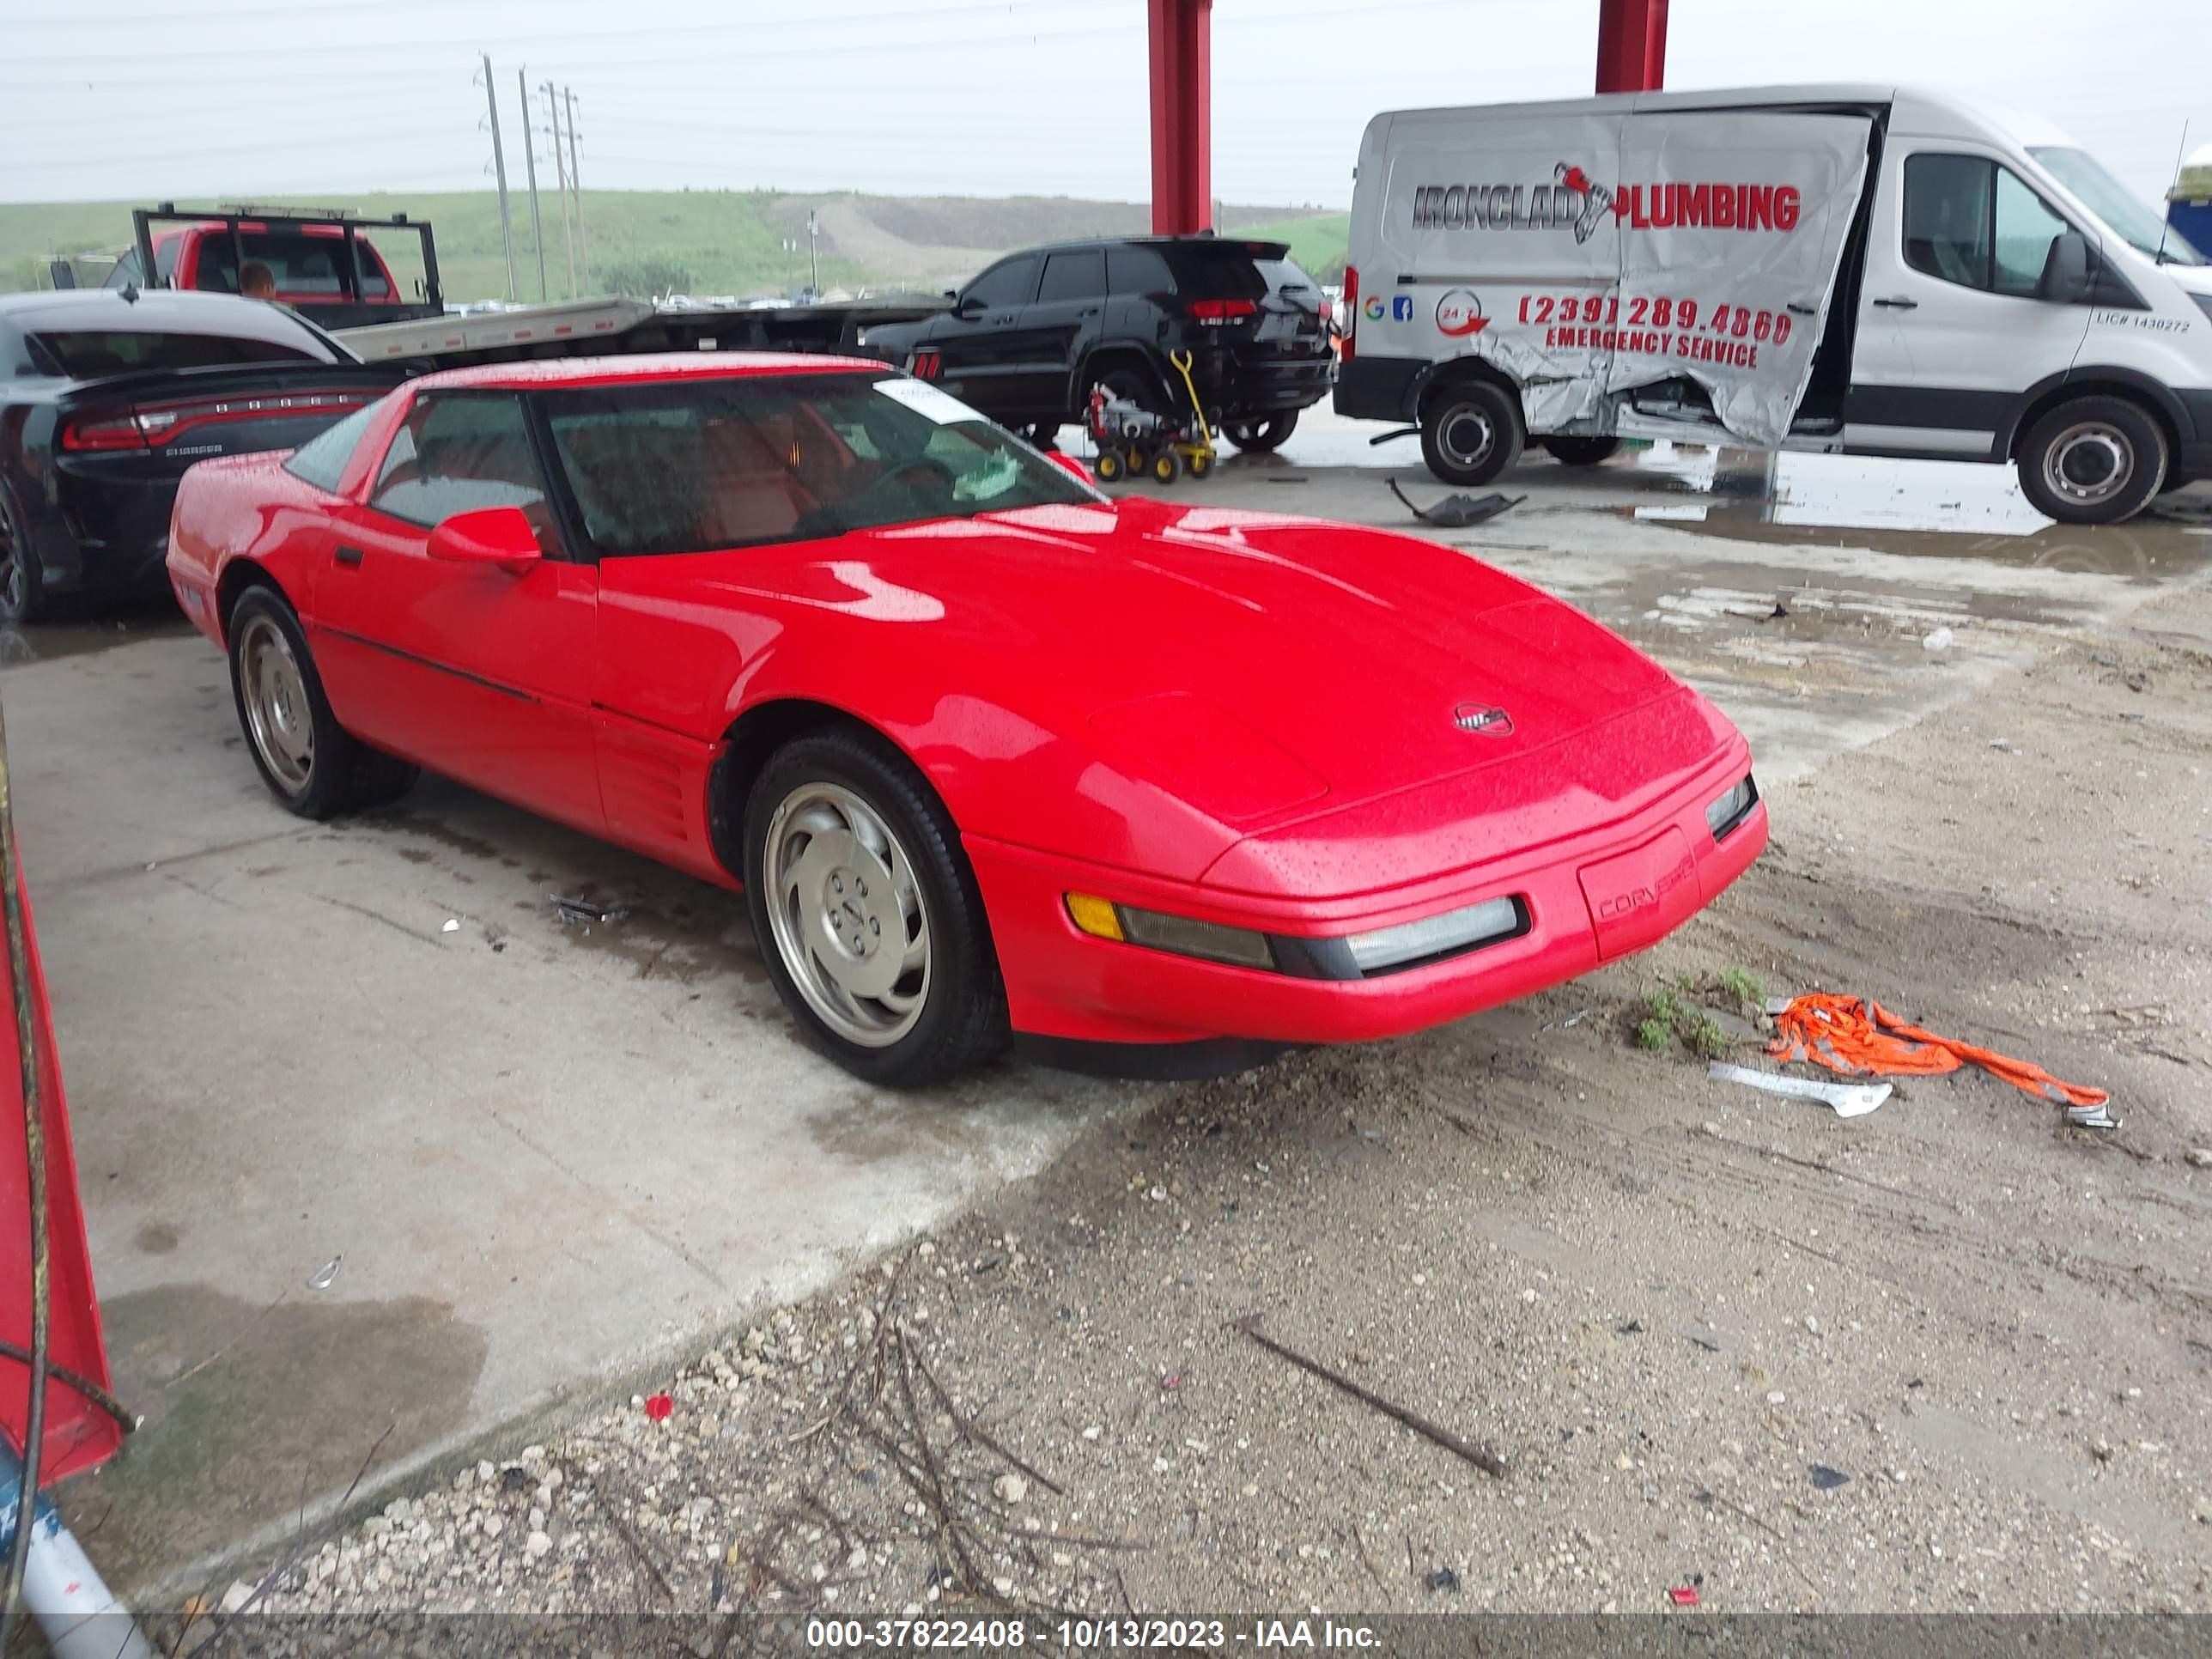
2024 229
1137 271
126 273
322 460
1071 276
1008 284
1970 221
458 450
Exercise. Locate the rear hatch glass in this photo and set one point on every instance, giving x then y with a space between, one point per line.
1268 298
89 354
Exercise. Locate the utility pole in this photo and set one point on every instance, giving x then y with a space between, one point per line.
813 260
498 167
530 155
576 184
561 180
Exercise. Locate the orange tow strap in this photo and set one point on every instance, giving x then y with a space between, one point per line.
1846 1034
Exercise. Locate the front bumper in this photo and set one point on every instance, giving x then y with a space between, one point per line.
1591 899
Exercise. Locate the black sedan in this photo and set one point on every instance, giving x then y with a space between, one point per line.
106 396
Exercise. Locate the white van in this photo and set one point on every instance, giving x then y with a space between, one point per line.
1862 269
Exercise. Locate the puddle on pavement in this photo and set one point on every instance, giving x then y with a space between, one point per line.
679 941
51 641
249 1407
1946 510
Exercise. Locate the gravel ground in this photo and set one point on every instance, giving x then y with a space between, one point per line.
1949 1357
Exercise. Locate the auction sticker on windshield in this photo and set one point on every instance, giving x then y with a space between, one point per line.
923 398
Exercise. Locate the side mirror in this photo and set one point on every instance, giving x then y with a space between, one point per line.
497 536
967 306
2065 269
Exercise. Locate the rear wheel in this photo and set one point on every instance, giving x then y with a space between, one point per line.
868 914
22 589
1109 465
2094 460
1471 431
1263 437
1167 467
309 762
1198 464
1580 452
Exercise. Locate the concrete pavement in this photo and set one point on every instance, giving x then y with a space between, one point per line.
546 1155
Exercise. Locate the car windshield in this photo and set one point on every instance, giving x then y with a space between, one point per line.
2117 206
704 463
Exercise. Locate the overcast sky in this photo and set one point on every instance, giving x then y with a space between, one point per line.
138 100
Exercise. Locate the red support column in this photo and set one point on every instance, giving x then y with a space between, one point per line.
1631 46
1183 114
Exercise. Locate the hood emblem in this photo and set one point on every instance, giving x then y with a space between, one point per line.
1482 717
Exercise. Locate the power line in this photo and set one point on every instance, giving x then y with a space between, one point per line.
746 51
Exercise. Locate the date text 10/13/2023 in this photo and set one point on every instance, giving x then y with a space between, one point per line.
1085 1635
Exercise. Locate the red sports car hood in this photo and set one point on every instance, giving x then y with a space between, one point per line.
1260 668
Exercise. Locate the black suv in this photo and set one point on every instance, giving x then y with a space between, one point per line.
1026 340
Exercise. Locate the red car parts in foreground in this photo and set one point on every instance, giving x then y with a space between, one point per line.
1155 787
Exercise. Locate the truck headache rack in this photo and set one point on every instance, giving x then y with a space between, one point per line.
349 309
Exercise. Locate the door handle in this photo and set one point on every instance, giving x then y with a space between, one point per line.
1899 305
349 556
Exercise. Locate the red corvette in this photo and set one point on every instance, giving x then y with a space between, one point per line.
1157 787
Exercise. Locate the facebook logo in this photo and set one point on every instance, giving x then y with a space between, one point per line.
1401 309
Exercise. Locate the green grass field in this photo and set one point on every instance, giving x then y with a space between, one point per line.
695 241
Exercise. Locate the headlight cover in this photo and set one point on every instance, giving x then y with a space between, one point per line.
1436 936
1732 809
1352 956
1181 936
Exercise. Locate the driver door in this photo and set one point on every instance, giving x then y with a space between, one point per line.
482 674
981 355
1950 325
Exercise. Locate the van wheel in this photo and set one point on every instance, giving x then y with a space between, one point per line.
1580 452
1471 431
2093 460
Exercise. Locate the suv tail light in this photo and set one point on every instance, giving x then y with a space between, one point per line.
157 425
1347 335
1215 313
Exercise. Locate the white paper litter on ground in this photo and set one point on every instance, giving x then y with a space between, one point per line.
1848 1099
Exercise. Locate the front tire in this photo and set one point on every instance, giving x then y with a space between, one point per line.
1166 467
868 914
1264 437
1109 465
309 763
1580 452
2094 460
1471 432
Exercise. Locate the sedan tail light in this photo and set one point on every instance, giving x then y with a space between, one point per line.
1215 313
157 425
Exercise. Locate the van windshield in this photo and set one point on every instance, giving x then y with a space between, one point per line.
2112 202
